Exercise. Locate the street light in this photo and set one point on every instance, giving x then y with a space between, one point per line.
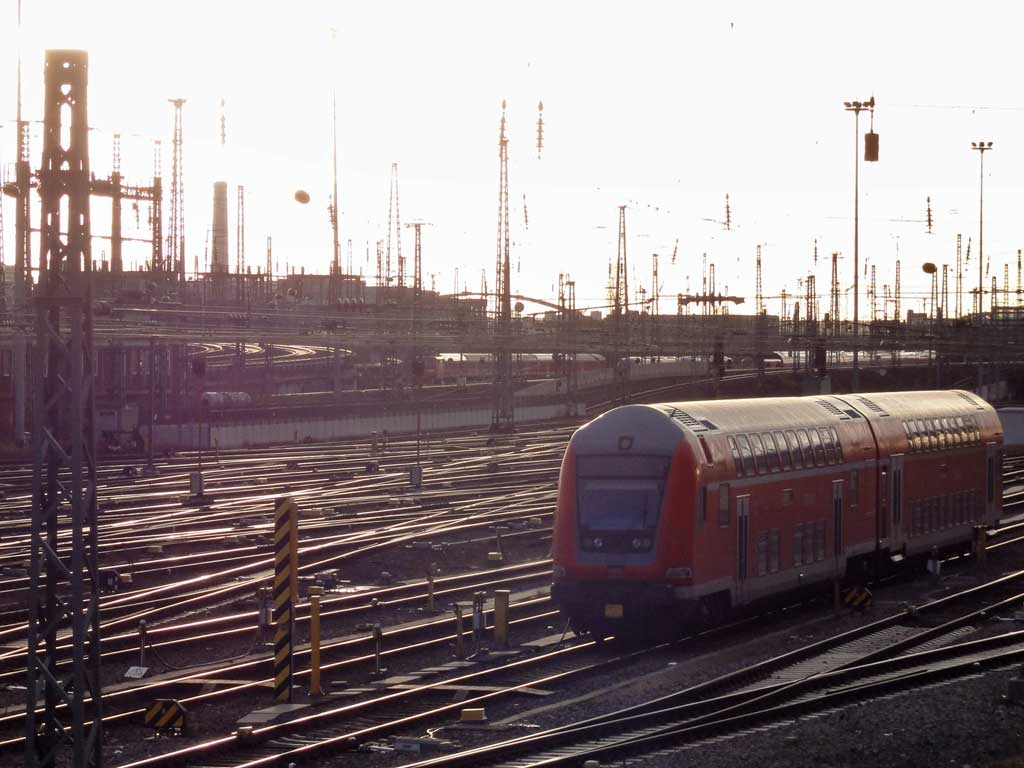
871 154
982 147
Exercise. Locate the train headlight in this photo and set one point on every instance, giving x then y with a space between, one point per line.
641 543
680 573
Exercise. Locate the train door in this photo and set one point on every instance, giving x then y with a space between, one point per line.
742 547
837 523
897 537
882 510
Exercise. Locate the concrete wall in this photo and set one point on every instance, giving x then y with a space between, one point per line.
269 432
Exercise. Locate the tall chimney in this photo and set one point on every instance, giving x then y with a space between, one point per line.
219 261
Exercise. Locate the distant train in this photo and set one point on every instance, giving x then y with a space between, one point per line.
476 366
678 514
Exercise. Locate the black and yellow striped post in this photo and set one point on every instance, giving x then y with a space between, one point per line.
286 592
166 716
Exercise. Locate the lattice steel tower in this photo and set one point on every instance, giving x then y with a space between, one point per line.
176 238
502 418
63 594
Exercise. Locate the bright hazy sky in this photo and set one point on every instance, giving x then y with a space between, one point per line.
665 107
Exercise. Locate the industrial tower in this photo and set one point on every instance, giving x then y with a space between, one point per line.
394 227
63 593
176 237
502 417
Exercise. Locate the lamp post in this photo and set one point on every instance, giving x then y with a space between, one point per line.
857 107
982 147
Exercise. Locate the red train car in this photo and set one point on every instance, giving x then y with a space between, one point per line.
679 513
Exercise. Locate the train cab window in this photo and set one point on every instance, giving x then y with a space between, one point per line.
805 446
780 442
835 440
723 505
830 449
747 454
759 457
794 449
771 452
819 450
702 506
736 460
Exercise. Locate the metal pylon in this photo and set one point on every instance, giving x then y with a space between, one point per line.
65 728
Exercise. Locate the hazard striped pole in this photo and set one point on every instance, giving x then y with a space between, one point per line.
286 583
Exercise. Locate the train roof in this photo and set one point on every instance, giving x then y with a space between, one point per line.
710 416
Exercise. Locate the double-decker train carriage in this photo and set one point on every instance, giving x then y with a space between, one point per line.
677 514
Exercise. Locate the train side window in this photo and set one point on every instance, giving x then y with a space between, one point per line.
723 505
835 440
819 451
774 554
819 540
794 449
798 544
855 487
830 449
952 434
915 436
787 497
747 453
771 452
805 445
737 462
977 429
922 433
780 441
940 433
762 554
759 458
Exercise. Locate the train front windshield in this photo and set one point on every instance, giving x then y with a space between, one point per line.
619 504
619 498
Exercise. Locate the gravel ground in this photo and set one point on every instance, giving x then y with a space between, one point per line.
961 723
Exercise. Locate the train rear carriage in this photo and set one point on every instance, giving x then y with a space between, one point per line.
679 513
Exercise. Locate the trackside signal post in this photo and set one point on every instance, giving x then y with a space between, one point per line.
285 593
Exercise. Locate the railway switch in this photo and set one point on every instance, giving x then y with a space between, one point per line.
315 688
378 641
460 644
501 617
